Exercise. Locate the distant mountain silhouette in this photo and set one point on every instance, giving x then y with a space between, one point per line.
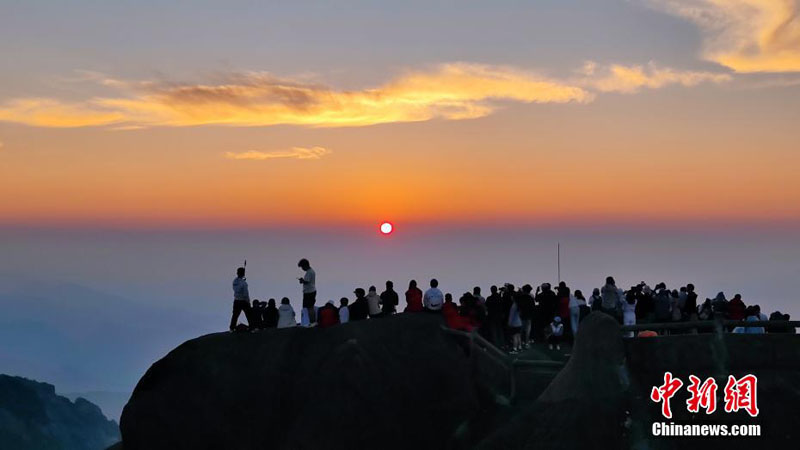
33 417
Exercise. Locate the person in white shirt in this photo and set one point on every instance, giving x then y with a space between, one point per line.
286 316
556 333
344 311
309 282
433 298
374 302
241 299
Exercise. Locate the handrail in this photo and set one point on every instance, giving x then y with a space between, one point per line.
714 324
508 363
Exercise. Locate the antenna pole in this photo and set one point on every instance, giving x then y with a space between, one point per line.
559 262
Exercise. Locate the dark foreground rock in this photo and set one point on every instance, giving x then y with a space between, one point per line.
402 382
394 383
33 417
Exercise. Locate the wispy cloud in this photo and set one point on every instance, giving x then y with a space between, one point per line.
294 153
453 91
633 78
745 35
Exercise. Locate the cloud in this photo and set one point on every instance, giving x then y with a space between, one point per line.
294 152
745 35
631 79
449 91
453 91
46 112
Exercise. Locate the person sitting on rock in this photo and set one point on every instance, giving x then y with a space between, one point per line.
556 333
374 303
255 314
433 298
344 310
241 299
270 315
389 300
328 315
736 308
449 308
360 309
413 298
286 316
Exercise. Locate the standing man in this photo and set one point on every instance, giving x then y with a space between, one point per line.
309 282
241 299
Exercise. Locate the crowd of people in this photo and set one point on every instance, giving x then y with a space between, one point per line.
509 317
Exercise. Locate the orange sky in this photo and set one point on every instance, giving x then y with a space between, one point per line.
710 135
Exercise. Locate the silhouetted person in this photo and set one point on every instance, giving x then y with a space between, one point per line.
736 308
255 320
583 305
691 303
328 315
241 299
309 282
663 304
449 308
344 310
546 301
595 301
514 321
433 298
611 298
286 315
494 313
359 310
524 303
389 300
720 306
374 303
476 294
629 311
270 314
645 305
413 298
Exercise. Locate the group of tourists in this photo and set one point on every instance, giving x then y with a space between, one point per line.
509 317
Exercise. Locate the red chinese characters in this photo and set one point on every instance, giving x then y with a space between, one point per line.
665 392
741 394
703 396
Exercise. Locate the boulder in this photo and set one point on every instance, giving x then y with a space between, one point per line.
397 382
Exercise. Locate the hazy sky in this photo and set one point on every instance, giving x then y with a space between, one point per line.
245 113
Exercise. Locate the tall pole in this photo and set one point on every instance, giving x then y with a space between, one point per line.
559 262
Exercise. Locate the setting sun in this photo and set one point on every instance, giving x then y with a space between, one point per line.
387 228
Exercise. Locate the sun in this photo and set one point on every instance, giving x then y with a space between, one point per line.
387 228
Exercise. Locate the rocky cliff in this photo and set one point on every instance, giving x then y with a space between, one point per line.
402 382
33 417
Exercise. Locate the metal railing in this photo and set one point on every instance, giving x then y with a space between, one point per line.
500 358
716 326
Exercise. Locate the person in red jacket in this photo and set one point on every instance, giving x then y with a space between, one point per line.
413 298
328 315
449 308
